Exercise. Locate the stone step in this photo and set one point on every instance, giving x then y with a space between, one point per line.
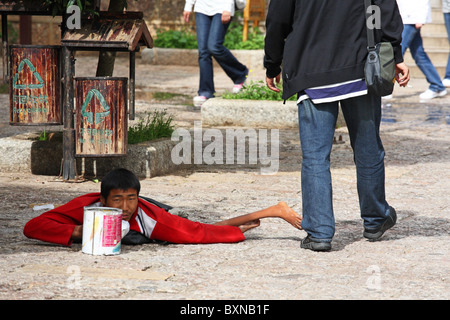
437 56
435 40
437 16
416 73
436 3
435 28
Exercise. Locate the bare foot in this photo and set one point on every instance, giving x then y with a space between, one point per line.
288 214
249 225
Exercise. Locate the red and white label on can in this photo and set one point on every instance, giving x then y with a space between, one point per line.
112 230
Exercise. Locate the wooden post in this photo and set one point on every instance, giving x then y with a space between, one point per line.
68 131
25 29
246 18
5 48
131 112
254 11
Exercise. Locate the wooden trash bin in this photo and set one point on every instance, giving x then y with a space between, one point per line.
35 85
101 116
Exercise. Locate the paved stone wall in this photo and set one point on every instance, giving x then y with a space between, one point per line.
160 13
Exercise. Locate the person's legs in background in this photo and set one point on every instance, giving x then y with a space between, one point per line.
206 85
412 39
235 70
446 80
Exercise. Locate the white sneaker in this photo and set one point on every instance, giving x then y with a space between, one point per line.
388 97
199 100
430 94
238 87
446 82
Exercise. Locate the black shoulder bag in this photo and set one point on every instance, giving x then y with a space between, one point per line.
379 69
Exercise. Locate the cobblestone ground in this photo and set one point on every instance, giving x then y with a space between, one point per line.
410 262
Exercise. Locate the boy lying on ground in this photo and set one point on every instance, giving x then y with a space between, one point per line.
120 189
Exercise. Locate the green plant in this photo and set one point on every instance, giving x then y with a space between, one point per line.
13 34
186 39
234 38
157 124
165 95
255 91
43 136
4 88
181 39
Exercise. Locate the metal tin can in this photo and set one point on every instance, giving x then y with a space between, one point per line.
102 231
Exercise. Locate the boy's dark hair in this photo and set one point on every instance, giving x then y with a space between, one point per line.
121 179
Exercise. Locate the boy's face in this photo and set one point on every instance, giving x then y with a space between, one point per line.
127 200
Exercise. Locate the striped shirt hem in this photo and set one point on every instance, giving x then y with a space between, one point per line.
334 92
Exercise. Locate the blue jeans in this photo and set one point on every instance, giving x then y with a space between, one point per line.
447 24
210 37
413 40
317 125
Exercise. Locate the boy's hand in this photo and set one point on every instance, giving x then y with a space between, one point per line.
77 233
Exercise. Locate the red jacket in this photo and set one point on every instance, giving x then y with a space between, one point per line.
57 225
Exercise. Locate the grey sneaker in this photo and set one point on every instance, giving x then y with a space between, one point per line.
307 243
375 234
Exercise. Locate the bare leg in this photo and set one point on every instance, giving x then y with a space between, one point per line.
249 225
251 220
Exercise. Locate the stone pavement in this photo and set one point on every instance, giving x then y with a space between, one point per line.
410 262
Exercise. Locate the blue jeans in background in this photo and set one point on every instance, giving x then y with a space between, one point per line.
317 124
210 37
447 24
413 40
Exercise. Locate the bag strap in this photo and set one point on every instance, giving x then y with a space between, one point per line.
370 32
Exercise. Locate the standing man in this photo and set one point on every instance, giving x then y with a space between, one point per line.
322 46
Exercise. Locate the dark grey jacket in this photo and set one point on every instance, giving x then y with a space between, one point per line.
321 42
